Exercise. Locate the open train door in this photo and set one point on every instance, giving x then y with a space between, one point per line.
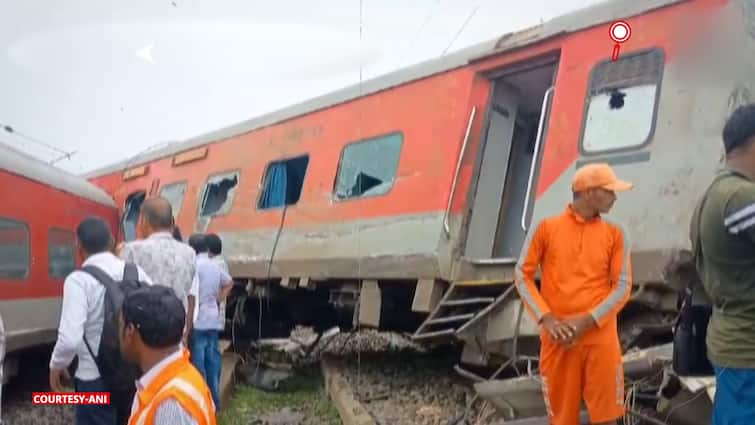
516 128
502 203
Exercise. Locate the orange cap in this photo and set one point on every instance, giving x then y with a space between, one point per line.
593 176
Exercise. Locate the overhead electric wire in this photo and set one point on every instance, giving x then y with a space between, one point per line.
461 29
64 154
427 20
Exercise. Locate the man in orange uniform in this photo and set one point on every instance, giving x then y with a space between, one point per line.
171 391
585 282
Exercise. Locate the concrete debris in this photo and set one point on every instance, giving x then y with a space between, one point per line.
647 362
694 384
351 411
263 376
652 388
519 397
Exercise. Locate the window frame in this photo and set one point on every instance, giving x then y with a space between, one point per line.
202 193
27 229
73 237
333 196
122 220
183 182
262 186
656 102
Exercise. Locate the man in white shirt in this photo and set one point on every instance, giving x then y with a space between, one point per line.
82 316
169 262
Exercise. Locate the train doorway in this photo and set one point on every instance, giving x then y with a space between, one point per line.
517 121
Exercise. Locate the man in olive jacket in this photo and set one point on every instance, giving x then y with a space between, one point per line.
726 264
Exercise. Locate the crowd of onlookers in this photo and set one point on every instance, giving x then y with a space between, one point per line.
142 320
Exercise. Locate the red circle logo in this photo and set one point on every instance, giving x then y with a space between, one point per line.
620 31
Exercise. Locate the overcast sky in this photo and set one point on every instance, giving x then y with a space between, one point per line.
84 77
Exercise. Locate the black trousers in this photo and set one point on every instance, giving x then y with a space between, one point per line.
117 413
122 401
93 414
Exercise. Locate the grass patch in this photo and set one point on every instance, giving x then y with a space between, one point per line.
304 393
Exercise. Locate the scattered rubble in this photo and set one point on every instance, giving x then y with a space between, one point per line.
304 347
403 389
400 382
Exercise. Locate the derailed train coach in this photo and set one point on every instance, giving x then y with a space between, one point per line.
402 202
40 209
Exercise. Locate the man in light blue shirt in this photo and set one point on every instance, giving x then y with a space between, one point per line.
214 286
215 248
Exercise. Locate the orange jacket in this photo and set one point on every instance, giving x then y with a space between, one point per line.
585 268
182 382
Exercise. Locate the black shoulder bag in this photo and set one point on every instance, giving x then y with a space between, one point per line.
690 354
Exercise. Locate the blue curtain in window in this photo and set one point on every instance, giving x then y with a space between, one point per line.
275 192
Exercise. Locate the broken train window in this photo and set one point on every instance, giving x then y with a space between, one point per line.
282 183
218 194
368 167
621 102
131 211
174 194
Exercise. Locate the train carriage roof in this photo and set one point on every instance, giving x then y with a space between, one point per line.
597 14
27 166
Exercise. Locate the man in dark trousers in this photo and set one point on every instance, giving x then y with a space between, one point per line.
723 233
82 316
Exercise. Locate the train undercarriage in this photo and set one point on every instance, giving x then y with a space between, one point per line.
497 341
486 317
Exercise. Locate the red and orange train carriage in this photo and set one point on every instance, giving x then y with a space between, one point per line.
40 209
409 195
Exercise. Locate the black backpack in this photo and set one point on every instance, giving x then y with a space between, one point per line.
119 375
690 353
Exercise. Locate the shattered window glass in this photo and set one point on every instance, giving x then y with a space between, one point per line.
283 182
174 194
61 253
621 104
368 168
131 214
218 194
14 249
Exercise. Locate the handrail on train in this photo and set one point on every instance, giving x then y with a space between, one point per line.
446 226
538 142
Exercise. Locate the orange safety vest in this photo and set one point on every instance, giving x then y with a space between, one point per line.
182 382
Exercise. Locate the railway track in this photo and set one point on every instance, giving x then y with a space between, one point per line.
33 376
385 376
382 378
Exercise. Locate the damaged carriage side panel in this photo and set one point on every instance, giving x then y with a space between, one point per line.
384 164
